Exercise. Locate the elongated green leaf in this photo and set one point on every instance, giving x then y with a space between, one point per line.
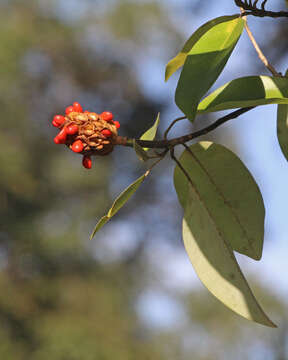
282 128
119 202
99 225
215 263
140 152
229 193
151 133
204 63
178 61
247 91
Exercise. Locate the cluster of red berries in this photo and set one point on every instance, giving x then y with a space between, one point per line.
86 132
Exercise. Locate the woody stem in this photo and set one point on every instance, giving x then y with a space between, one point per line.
168 144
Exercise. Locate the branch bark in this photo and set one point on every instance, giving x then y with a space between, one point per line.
169 144
251 9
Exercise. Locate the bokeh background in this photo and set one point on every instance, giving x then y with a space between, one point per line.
131 293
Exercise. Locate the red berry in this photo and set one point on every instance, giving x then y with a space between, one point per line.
54 123
106 132
69 109
57 140
117 124
62 135
72 129
86 112
77 107
77 146
87 162
107 116
58 120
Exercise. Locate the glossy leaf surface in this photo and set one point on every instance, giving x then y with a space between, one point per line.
245 92
178 61
204 63
151 133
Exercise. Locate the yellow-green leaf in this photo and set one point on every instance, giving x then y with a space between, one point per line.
245 92
204 63
119 202
151 133
215 263
99 225
229 192
178 61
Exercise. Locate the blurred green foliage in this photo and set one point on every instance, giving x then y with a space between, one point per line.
55 302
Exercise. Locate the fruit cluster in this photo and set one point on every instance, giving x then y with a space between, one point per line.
86 132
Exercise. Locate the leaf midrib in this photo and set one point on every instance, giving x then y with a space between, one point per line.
226 202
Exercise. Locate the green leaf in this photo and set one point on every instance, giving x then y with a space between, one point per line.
245 92
178 61
228 192
215 263
119 202
204 63
140 152
282 128
99 225
151 133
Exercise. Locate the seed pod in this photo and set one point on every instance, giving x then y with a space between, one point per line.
97 135
86 132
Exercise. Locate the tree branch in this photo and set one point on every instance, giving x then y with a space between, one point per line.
251 9
168 144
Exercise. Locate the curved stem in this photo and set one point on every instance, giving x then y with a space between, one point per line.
168 144
172 124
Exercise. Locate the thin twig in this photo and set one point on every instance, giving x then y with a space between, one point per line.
156 162
172 124
168 144
262 57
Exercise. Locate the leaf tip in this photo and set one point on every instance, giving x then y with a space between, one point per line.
274 325
92 235
268 323
167 74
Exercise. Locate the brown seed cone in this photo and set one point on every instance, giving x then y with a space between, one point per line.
90 126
